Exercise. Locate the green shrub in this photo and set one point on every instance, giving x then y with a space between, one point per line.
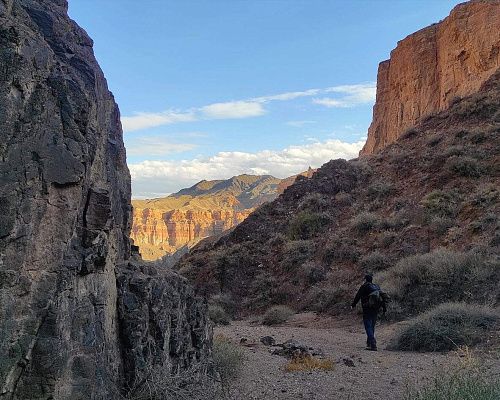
440 225
365 222
340 249
314 202
465 383
378 190
484 223
447 327
465 166
486 195
441 203
374 261
228 359
307 224
218 315
277 315
296 253
421 281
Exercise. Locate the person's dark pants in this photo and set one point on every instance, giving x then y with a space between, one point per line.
369 320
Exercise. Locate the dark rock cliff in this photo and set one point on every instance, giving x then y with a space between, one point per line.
76 320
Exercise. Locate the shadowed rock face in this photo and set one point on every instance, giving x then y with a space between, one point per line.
433 67
72 312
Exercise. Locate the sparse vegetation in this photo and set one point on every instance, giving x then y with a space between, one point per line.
308 363
468 381
418 282
218 315
296 253
374 261
446 327
441 203
365 222
277 315
307 224
378 190
228 359
465 166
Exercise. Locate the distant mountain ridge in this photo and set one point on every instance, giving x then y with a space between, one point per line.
162 226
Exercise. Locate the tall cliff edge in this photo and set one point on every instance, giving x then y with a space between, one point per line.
431 68
75 323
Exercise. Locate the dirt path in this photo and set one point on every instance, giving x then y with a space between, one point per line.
375 375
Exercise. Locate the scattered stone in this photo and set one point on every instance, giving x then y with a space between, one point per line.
349 362
268 340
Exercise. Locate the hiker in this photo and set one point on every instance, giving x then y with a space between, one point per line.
372 300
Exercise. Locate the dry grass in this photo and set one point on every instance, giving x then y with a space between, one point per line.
308 363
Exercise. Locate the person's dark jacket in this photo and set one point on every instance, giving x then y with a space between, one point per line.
363 293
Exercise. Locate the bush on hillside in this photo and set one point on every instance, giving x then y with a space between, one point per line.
340 250
218 315
441 203
378 190
314 202
277 315
296 253
465 166
374 261
440 225
307 224
421 281
447 327
365 222
486 195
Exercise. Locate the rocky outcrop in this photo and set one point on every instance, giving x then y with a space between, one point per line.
162 226
291 180
433 67
72 316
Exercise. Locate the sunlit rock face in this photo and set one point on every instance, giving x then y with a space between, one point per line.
69 304
433 67
163 226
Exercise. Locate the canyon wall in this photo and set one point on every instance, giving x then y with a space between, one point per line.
162 226
433 67
76 321
159 232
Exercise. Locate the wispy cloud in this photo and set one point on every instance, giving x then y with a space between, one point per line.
140 121
170 176
350 95
298 124
347 96
156 146
233 109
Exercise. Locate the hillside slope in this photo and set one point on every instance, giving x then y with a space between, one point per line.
437 186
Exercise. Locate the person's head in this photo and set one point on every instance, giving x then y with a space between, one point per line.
369 278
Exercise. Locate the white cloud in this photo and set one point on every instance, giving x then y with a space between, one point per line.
352 95
170 176
155 146
150 120
233 109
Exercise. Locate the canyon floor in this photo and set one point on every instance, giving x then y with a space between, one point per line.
375 375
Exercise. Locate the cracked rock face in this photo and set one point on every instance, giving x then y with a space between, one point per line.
68 329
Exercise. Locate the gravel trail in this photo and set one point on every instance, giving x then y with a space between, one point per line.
375 375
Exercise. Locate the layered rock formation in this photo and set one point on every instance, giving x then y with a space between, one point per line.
75 323
433 67
162 226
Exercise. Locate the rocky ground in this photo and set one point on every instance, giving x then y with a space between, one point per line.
356 373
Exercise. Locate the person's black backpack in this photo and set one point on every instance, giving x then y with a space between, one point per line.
377 298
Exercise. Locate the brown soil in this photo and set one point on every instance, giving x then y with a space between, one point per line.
376 375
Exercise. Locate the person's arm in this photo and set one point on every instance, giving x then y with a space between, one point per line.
357 298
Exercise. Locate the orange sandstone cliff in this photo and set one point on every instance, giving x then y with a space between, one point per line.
433 67
162 226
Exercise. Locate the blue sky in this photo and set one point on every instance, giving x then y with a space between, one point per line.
211 89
